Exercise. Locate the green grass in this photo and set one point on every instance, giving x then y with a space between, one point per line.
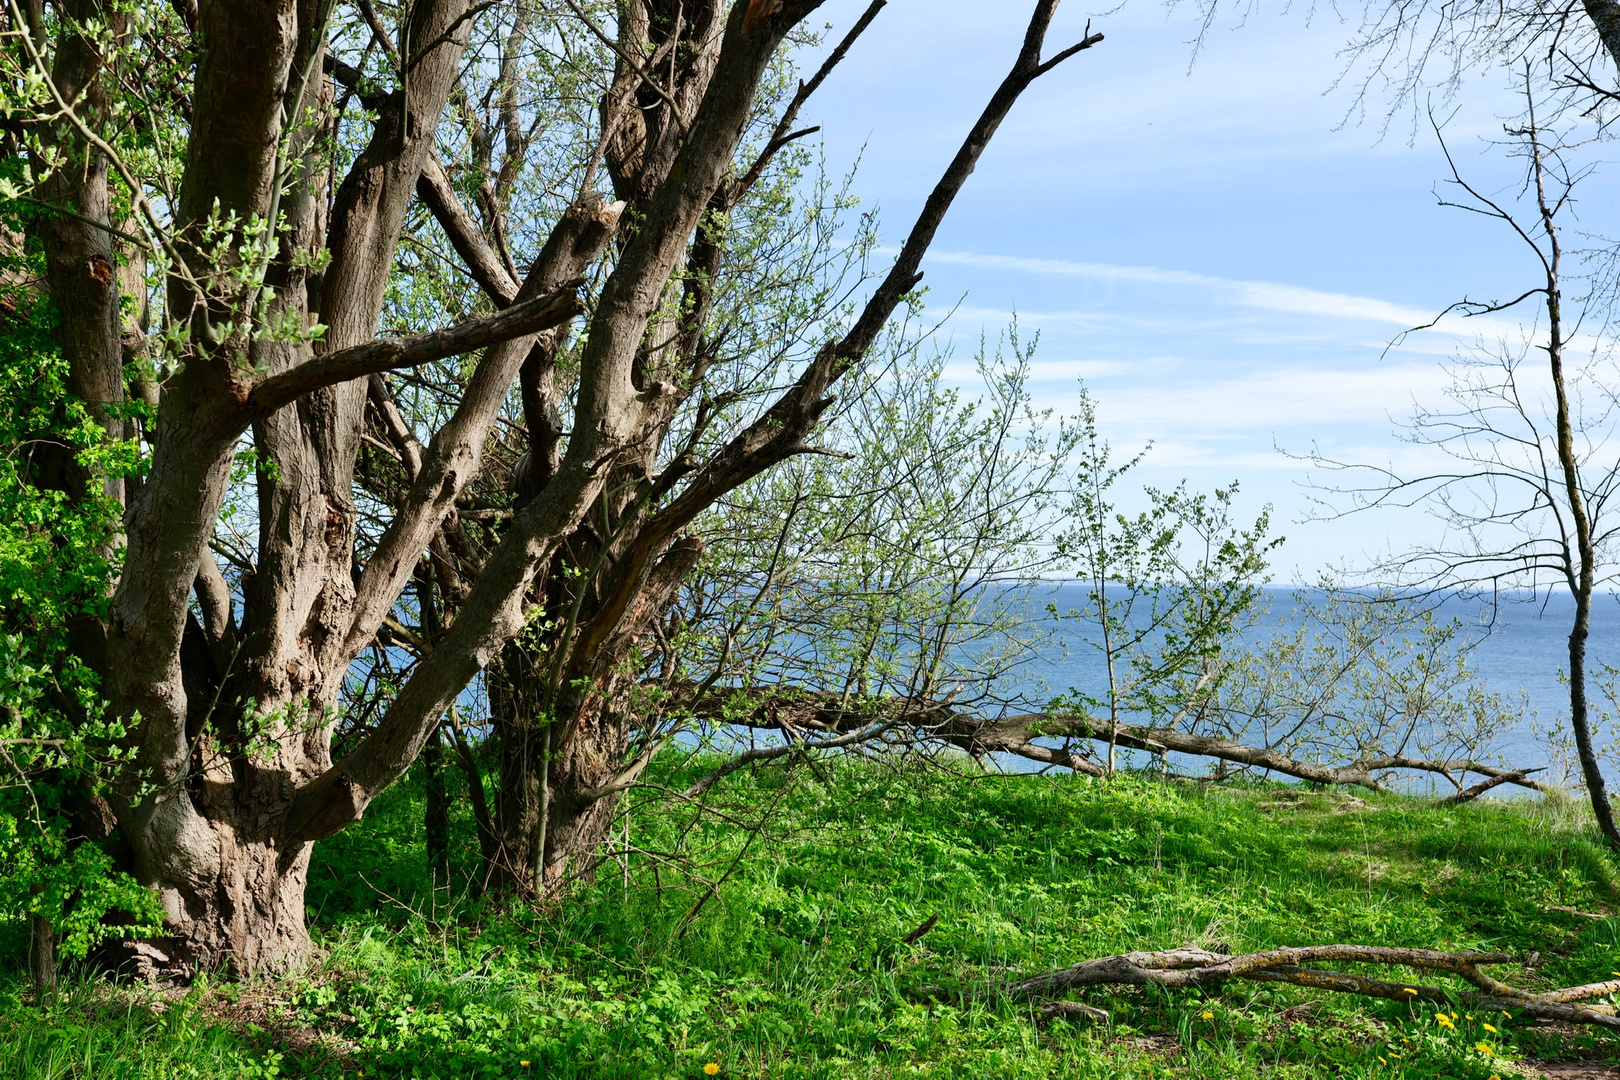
796 966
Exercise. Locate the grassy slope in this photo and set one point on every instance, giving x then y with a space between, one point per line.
796 968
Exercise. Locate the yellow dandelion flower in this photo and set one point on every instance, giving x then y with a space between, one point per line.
1468 1016
1445 1021
1484 1048
710 1069
1488 1028
1454 1016
1407 990
1207 1015
1381 1060
1493 1076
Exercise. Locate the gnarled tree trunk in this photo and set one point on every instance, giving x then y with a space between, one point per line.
229 703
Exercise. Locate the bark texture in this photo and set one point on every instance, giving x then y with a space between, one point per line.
228 676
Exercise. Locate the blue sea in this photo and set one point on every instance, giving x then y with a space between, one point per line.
1521 645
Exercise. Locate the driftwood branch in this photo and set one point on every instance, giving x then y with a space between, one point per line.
1190 967
1014 735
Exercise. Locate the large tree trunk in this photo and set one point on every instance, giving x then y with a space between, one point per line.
237 724
42 957
231 776
550 809
578 815
243 911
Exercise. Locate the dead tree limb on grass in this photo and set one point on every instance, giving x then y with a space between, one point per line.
832 713
1190 967
1474 792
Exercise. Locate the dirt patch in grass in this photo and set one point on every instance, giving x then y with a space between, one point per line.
1573 1070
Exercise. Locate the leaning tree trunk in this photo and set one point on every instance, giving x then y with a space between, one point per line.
1579 565
1580 721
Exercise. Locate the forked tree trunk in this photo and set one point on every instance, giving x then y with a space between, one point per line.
231 777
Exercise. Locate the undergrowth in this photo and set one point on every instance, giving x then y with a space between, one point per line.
790 958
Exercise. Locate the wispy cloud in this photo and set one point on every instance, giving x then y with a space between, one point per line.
1263 295
1274 400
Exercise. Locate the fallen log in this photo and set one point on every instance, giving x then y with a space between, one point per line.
1014 735
1487 784
1191 967
831 714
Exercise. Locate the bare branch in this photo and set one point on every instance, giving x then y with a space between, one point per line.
487 267
390 354
1191 967
783 133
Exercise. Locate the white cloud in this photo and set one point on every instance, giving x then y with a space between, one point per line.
1439 335
1262 295
1274 399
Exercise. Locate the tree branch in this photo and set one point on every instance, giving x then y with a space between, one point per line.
455 455
784 133
826 711
391 354
904 275
433 187
1190 967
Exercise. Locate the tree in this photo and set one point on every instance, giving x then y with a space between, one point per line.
1158 618
1528 463
54 737
257 165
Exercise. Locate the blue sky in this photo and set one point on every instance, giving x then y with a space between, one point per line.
1207 244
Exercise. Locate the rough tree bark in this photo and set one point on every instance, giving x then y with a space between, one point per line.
567 703
229 704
